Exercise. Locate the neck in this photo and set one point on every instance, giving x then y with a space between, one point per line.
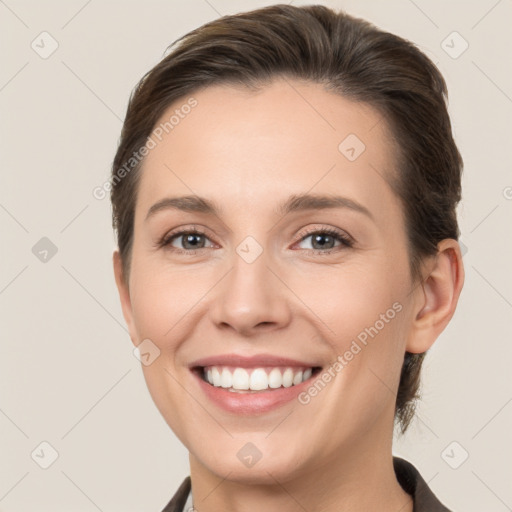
355 479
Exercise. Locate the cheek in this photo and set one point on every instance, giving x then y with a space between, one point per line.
160 299
349 300
160 305
363 319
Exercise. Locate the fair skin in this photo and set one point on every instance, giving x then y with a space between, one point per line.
248 152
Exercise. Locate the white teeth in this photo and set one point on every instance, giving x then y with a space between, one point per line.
297 379
287 378
226 379
215 379
275 379
257 379
240 379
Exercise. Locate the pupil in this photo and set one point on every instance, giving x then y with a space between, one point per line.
190 239
317 238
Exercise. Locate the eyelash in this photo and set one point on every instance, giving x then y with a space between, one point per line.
346 241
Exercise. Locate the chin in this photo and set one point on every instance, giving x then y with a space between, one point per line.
260 474
266 470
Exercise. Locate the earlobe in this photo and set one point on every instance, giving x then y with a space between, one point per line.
439 294
124 295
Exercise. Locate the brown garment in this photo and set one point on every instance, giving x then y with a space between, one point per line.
406 474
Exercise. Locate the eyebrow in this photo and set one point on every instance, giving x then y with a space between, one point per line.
295 203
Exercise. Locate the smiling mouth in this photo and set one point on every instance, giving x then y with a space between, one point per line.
255 380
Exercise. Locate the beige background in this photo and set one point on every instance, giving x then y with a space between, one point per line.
67 372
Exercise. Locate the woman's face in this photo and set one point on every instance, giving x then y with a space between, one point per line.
273 276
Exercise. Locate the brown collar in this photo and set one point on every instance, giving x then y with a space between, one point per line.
412 483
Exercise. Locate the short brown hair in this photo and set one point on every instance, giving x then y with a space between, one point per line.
345 54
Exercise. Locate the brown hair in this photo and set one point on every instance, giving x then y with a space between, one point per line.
347 55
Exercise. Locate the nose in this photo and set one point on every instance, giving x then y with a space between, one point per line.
251 298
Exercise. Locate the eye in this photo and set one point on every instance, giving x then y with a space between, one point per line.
190 241
324 240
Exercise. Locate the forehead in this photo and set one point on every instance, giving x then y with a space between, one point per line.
245 148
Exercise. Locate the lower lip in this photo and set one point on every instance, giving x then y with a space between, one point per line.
251 403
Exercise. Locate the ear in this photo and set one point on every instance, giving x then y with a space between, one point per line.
124 296
437 297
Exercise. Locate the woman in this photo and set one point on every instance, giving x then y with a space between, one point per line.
284 197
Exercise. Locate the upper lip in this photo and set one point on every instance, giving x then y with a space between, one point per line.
250 362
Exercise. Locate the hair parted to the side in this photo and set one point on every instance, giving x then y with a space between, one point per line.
348 56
